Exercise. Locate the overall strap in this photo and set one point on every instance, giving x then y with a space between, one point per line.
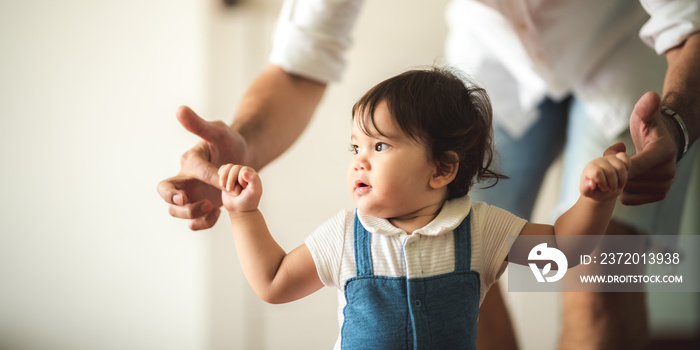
463 245
363 249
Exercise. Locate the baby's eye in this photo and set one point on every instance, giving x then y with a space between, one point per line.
354 149
381 146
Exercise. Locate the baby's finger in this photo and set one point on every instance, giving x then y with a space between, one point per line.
597 175
602 174
589 187
611 177
248 177
622 156
621 170
243 177
232 184
620 166
223 174
616 148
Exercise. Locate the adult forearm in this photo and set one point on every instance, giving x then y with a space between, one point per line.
273 113
682 84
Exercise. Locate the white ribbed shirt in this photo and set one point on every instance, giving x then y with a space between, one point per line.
426 252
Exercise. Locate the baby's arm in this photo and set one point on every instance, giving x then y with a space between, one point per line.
602 181
276 277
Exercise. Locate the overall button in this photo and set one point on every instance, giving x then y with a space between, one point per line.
417 303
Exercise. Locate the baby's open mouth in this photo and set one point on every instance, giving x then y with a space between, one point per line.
360 184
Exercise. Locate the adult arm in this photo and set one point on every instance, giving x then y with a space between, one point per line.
310 40
272 114
682 84
276 109
657 139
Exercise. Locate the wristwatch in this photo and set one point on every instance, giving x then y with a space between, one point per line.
682 130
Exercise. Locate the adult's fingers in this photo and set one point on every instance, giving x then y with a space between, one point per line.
196 163
648 186
641 198
169 191
656 158
205 222
182 190
191 211
639 192
653 143
194 123
646 107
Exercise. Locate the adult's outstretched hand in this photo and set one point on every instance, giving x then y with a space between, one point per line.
654 164
194 193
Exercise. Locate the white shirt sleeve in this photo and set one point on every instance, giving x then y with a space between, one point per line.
670 24
312 36
326 245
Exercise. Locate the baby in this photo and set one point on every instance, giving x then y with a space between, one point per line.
414 260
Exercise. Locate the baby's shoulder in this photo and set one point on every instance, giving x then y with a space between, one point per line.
337 224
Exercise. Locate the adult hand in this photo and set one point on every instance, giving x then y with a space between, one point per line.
654 165
194 194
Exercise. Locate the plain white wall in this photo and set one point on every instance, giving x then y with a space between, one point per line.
89 258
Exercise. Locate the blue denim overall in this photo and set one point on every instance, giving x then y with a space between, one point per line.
438 312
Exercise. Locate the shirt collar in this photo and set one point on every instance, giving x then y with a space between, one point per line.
450 216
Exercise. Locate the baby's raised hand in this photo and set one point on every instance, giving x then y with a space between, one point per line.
604 178
242 188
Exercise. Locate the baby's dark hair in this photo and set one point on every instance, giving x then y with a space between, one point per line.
443 111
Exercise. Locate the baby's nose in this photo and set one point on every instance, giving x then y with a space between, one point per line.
361 165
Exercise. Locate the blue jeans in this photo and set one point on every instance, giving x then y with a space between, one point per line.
526 160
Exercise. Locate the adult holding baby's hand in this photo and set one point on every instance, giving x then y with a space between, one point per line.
273 113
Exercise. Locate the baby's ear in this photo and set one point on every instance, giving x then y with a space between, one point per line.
445 170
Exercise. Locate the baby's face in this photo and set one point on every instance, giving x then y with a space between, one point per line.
389 175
